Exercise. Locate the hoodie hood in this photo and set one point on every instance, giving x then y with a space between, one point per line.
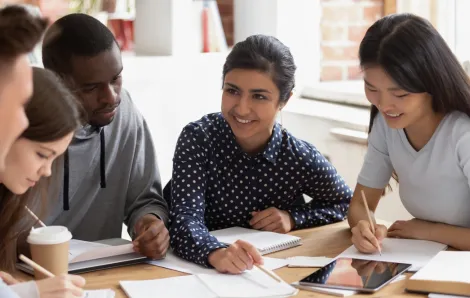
87 131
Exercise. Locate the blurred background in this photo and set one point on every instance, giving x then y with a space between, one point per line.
174 50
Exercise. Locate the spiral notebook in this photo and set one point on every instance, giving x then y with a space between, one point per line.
265 242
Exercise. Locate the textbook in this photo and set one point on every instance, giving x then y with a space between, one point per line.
87 256
447 273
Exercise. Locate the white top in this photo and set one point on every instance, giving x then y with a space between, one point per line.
26 289
20 290
6 291
434 181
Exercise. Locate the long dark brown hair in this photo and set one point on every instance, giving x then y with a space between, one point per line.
53 113
417 58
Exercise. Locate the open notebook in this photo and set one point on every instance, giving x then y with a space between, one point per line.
265 242
250 284
447 273
87 256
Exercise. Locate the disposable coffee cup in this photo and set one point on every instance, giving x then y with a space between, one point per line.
50 249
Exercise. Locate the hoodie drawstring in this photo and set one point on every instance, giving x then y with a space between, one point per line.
102 160
66 180
102 170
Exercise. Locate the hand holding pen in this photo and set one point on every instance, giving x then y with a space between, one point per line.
367 235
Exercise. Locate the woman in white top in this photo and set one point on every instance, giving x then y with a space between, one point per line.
53 116
419 134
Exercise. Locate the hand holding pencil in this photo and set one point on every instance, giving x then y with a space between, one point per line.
367 235
64 286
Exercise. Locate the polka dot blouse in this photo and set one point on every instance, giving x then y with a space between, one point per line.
216 185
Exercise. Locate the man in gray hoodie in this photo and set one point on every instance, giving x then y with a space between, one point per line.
110 172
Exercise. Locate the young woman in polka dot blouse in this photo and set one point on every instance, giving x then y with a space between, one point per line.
241 168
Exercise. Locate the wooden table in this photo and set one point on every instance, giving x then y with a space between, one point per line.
327 241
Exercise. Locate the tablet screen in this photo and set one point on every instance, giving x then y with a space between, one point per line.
355 274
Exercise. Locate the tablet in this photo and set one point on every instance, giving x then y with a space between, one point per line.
355 274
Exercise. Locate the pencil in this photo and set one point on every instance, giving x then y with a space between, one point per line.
260 267
36 266
34 216
372 226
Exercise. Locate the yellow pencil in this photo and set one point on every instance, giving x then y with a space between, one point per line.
268 273
34 216
372 226
36 266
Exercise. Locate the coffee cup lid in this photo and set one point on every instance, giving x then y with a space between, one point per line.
49 235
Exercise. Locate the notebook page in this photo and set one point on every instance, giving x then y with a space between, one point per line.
173 262
447 266
304 262
104 252
78 247
251 284
99 294
262 240
172 287
409 251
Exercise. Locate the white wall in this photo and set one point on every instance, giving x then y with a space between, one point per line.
167 27
295 23
153 27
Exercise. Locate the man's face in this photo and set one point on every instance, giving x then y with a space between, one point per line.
97 81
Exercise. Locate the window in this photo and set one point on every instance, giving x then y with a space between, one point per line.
343 25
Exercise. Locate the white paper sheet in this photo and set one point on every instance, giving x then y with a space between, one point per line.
304 262
415 252
176 263
251 284
431 295
99 294
172 287
78 247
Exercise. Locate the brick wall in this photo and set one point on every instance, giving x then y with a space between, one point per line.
226 14
343 25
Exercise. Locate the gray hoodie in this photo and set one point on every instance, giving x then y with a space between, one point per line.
110 176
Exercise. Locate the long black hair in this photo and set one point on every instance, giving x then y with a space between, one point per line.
417 58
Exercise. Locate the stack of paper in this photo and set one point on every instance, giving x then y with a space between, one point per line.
408 251
251 284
